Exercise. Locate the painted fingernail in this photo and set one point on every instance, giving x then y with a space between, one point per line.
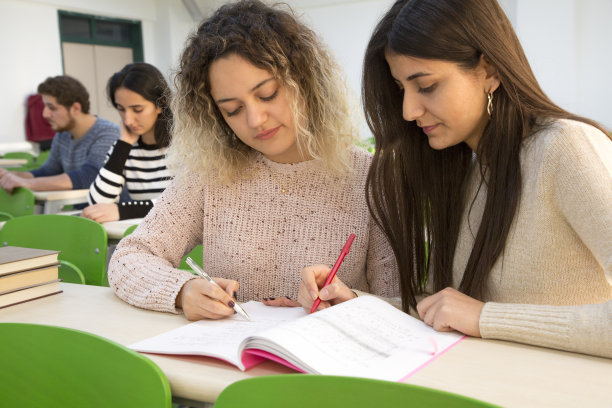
265 299
272 298
235 295
231 303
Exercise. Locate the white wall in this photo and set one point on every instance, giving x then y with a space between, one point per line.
30 48
566 42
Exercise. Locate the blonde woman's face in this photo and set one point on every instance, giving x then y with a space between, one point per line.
256 106
447 102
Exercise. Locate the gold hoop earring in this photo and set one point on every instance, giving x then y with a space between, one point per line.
490 103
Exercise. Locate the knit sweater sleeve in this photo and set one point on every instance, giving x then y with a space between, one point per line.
578 166
143 269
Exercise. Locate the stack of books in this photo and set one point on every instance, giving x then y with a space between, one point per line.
27 274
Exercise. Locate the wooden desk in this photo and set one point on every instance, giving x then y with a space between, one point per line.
52 202
115 229
12 162
508 374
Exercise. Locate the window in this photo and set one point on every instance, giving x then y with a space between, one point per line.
88 29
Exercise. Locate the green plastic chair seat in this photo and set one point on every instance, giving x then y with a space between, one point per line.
82 242
47 366
308 391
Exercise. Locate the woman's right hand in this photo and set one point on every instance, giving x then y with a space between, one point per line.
127 136
200 299
313 279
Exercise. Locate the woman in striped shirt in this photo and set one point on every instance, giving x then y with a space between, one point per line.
135 172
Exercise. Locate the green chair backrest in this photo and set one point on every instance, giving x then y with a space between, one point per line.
196 253
18 203
5 216
82 242
20 155
42 157
307 391
47 366
129 230
70 273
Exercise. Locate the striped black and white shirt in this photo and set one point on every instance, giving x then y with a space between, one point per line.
141 168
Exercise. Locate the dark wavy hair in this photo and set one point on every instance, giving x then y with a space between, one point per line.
148 82
66 90
416 192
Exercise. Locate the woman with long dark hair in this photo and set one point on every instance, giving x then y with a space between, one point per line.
497 202
137 161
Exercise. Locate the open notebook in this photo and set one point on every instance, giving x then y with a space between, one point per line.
364 337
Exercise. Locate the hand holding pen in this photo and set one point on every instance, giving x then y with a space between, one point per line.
207 298
321 288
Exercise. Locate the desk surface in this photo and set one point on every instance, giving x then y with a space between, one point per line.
504 373
54 195
12 162
115 229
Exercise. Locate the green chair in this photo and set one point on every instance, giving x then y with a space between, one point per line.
196 253
42 157
4 216
307 391
82 242
70 273
19 202
129 230
20 155
47 366
29 165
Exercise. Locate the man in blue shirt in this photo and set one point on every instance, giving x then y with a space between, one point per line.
79 147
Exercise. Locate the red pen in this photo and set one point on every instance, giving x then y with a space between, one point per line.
330 277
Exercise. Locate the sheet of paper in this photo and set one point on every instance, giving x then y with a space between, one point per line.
219 338
364 337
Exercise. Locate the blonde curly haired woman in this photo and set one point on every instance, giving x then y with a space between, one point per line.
267 177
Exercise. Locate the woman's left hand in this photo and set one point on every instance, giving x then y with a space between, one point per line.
450 310
102 212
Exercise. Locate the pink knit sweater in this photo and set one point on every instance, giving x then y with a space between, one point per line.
260 232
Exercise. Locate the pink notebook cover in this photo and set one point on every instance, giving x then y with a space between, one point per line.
252 357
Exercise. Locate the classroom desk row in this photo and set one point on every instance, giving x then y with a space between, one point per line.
504 373
12 162
51 202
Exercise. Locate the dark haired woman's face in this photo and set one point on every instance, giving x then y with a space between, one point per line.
256 106
137 113
446 101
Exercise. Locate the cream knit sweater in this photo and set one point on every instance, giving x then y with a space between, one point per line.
552 284
260 232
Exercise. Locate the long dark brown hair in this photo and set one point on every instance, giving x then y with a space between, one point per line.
416 193
148 82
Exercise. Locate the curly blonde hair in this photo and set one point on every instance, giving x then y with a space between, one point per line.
273 39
